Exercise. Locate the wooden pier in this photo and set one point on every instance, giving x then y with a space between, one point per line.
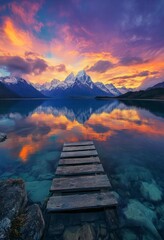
80 182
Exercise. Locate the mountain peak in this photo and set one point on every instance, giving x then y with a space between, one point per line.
70 78
81 73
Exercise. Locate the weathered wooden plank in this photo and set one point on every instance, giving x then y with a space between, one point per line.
79 143
81 202
78 148
79 170
86 153
84 183
78 161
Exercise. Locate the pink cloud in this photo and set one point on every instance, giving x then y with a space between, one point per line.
27 11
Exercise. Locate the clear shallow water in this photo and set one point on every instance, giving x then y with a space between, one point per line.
129 137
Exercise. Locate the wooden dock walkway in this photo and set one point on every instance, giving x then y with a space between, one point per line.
80 182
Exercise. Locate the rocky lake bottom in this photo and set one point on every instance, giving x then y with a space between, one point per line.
129 137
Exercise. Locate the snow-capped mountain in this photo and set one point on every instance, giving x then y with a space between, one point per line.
108 88
113 89
79 85
103 88
47 85
20 87
73 86
70 79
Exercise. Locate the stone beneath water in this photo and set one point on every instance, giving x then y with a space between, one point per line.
160 212
133 174
3 137
13 199
138 215
128 235
33 226
150 191
84 232
38 190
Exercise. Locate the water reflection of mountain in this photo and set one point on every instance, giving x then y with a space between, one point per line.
155 107
22 107
79 110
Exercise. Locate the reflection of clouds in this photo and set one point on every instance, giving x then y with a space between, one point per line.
5 122
99 128
33 133
81 111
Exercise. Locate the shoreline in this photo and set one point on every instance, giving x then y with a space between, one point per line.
83 98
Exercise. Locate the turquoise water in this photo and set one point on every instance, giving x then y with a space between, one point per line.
129 137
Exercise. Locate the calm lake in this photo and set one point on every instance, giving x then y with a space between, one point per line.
128 135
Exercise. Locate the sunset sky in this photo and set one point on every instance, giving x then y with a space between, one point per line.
115 41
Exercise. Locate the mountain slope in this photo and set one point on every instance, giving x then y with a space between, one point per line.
158 85
7 93
157 93
20 87
113 89
104 88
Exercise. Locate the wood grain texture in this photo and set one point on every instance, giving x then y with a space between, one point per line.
81 202
79 170
86 153
79 143
78 161
78 148
84 183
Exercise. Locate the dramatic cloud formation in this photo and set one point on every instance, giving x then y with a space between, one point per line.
101 66
114 38
127 61
60 68
24 66
141 74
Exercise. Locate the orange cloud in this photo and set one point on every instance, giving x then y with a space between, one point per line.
26 151
15 35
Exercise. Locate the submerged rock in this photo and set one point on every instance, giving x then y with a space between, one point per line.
33 226
150 191
17 221
3 137
13 198
139 215
84 232
133 174
128 235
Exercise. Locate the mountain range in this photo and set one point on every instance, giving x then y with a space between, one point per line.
80 85
75 86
